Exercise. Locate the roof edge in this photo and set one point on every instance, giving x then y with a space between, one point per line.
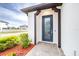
40 7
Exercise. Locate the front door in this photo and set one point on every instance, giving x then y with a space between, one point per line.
47 28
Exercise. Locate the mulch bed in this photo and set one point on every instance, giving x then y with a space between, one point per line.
18 50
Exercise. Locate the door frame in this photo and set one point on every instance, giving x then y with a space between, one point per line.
59 27
51 20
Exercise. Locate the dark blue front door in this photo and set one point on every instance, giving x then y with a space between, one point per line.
47 28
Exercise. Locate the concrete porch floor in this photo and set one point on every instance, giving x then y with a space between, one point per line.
45 49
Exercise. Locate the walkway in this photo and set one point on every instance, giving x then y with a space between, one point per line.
45 49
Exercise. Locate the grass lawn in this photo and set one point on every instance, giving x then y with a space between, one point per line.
11 32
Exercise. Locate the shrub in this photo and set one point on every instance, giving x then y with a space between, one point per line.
14 54
7 38
25 43
10 44
24 40
2 47
11 41
23 36
3 40
18 40
11 54
7 42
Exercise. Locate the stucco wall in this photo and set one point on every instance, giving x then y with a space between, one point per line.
39 24
31 25
70 28
55 24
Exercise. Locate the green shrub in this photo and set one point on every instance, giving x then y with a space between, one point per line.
10 44
25 43
10 38
11 54
18 40
11 41
14 54
3 40
7 42
23 36
24 40
7 38
2 47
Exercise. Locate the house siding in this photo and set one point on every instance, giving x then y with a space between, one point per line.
70 28
31 25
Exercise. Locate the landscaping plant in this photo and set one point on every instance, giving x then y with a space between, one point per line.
14 54
7 42
11 41
25 41
11 54
2 47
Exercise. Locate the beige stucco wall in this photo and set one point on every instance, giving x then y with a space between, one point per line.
39 24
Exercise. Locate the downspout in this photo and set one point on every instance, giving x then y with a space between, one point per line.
35 29
59 28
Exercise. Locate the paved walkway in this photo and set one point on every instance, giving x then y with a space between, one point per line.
45 49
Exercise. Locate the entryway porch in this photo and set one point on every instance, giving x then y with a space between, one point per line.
46 49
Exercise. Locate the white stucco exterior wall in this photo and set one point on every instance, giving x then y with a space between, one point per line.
70 28
39 24
31 25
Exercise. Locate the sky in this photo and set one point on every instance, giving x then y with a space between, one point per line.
11 13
